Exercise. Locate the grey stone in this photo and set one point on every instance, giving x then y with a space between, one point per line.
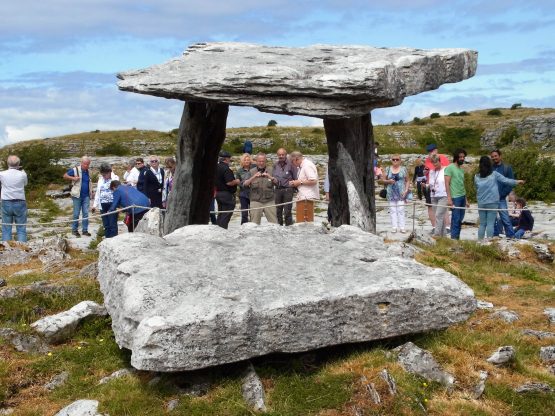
371 390
24 342
50 249
89 271
80 408
7 411
16 254
418 361
318 80
481 386
547 354
117 374
421 237
551 369
253 390
186 303
43 287
502 356
534 388
57 381
404 250
9 293
532 130
2 282
482 304
390 381
506 315
23 272
61 326
538 334
550 312
543 252
504 288
172 404
151 223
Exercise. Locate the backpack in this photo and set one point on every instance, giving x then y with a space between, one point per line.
247 147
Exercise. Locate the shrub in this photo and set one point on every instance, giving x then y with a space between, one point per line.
435 115
507 136
466 137
40 164
538 172
113 149
496 112
461 114
272 123
515 106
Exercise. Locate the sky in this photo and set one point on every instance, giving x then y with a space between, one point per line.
58 58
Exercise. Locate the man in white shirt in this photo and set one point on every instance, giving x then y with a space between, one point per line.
307 186
14 206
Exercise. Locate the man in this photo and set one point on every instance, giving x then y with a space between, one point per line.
504 220
153 182
284 173
429 167
14 207
141 168
81 194
226 185
126 196
261 184
456 192
307 185
131 176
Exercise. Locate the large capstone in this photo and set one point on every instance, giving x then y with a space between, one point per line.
319 80
203 296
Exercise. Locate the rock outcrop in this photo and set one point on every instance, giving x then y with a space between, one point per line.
534 129
193 300
319 80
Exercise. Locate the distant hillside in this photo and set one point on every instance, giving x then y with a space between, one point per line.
448 131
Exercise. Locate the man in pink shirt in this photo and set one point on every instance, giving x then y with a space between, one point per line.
306 184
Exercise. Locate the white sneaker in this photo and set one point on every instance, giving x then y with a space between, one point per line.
394 230
403 231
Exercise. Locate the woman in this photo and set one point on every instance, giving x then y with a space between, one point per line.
438 195
103 199
419 177
154 182
243 173
168 180
398 186
487 194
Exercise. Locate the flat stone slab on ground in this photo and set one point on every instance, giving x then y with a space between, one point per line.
204 296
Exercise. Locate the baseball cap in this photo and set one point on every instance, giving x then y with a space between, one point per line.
224 154
431 147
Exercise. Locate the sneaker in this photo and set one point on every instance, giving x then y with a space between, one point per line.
394 230
432 232
403 231
448 229
87 233
76 233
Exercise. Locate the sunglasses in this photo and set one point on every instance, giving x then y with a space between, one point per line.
395 160
154 161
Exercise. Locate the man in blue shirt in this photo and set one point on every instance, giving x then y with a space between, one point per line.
503 220
81 194
126 196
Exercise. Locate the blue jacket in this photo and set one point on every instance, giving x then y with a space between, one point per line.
506 171
487 189
125 196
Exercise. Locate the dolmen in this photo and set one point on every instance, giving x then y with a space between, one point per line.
204 296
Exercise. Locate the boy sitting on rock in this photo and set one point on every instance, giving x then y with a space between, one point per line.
525 219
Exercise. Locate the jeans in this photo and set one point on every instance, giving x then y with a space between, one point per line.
245 204
283 212
504 221
110 222
457 216
519 233
487 219
80 205
14 211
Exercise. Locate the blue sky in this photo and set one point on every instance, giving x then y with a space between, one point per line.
58 58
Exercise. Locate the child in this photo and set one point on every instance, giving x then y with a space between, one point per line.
525 220
513 213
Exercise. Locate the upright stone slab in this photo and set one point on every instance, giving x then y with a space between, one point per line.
203 296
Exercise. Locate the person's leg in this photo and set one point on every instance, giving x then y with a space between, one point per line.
519 233
270 213
244 203
226 202
212 208
393 215
287 209
7 220
85 203
457 216
505 219
279 199
109 222
76 210
483 222
431 214
401 215
20 217
419 190
441 211
256 213
490 219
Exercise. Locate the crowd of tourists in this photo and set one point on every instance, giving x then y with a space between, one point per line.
269 191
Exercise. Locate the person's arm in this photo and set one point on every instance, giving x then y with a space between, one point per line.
71 177
506 180
96 202
448 189
116 200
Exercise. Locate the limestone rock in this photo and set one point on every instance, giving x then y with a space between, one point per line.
253 390
422 238
543 252
538 334
80 408
371 390
57 381
502 356
506 315
6 411
550 312
388 378
172 404
50 250
117 374
481 304
418 361
403 250
151 223
186 302
43 287
547 354
481 386
57 328
318 80
2 282
534 387
24 342
89 271
16 254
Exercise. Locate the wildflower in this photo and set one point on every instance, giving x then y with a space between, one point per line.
49 354
425 384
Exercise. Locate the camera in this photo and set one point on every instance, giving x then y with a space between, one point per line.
261 170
